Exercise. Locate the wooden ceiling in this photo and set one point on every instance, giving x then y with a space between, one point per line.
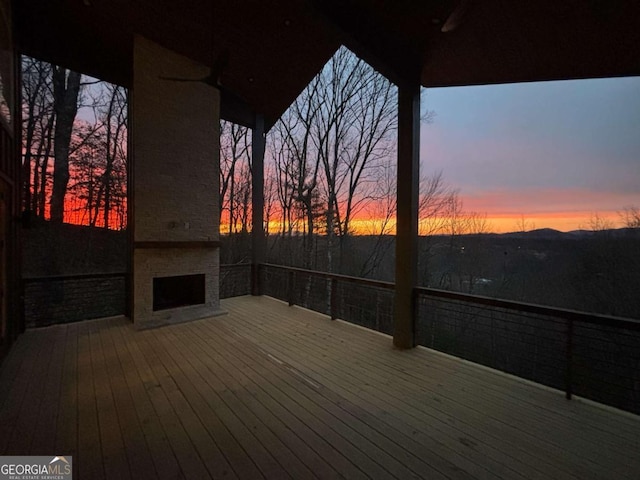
274 48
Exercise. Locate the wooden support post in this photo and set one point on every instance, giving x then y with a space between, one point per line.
569 360
257 203
407 214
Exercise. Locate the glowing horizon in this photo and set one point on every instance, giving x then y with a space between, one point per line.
556 153
500 222
497 222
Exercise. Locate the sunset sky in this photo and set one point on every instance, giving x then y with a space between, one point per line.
553 152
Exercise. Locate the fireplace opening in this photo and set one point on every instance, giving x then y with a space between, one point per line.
178 291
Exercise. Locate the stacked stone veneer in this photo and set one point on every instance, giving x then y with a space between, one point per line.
53 300
175 180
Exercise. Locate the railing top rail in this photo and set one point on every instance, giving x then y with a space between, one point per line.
344 278
561 313
235 265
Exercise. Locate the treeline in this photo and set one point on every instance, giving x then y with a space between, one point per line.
597 272
74 166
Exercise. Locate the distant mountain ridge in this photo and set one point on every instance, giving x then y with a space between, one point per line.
551 234
539 234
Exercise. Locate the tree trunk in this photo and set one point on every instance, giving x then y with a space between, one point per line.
66 86
111 144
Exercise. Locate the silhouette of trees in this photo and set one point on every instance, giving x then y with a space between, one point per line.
331 162
524 225
235 178
113 181
62 154
599 223
630 216
329 148
297 166
98 162
37 127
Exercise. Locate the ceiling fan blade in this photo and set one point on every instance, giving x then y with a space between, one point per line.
457 16
218 66
215 72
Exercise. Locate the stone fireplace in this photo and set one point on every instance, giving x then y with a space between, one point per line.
175 189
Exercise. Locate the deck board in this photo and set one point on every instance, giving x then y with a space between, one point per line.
164 461
271 391
66 439
221 393
136 450
47 417
171 408
346 439
90 460
224 449
415 449
432 429
250 396
485 424
109 420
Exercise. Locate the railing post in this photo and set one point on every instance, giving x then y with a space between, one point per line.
569 360
334 298
291 287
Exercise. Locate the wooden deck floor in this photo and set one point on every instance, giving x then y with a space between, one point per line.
279 392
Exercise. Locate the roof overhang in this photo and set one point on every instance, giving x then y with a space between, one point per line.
275 48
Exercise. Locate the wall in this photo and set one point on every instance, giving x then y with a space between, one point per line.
10 318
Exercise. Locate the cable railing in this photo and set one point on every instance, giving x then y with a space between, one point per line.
593 356
368 303
235 279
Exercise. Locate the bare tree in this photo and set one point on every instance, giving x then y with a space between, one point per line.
270 192
298 163
114 120
354 134
282 173
330 144
235 179
438 203
87 162
630 216
381 221
524 225
477 223
38 120
598 223
66 88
